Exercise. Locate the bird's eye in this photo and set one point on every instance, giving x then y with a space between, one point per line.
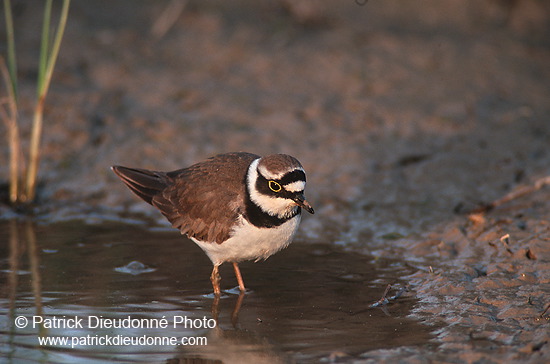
274 186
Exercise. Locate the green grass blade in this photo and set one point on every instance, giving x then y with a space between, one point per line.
9 114
52 57
10 34
47 64
44 47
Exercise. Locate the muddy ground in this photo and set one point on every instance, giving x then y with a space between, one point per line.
409 118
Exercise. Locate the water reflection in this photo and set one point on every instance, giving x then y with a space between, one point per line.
22 238
305 303
234 314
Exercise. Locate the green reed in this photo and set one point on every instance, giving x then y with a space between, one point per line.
23 180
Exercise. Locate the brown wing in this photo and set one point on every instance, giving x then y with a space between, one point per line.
146 184
205 200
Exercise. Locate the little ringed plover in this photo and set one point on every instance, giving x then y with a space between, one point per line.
235 206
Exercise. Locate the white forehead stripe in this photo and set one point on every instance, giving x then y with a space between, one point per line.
296 186
270 175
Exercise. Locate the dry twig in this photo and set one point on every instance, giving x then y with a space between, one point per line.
516 193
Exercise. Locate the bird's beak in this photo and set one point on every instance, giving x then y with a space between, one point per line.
301 201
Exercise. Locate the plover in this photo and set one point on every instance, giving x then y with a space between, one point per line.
235 206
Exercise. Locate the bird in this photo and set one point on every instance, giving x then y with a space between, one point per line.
235 206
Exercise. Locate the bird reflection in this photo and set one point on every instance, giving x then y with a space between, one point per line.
230 345
236 309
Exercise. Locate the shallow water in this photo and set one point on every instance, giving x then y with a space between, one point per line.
307 303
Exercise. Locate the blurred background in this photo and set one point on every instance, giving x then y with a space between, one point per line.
402 113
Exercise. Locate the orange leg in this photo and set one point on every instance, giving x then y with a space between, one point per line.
215 279
239 276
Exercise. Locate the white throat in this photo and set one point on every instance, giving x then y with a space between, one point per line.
274 206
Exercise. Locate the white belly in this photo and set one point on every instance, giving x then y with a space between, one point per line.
250 242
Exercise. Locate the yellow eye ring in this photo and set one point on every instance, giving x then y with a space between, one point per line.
274 186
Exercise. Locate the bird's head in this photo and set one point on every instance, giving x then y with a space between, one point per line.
276 184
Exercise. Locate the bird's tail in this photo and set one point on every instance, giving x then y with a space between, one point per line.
144 183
